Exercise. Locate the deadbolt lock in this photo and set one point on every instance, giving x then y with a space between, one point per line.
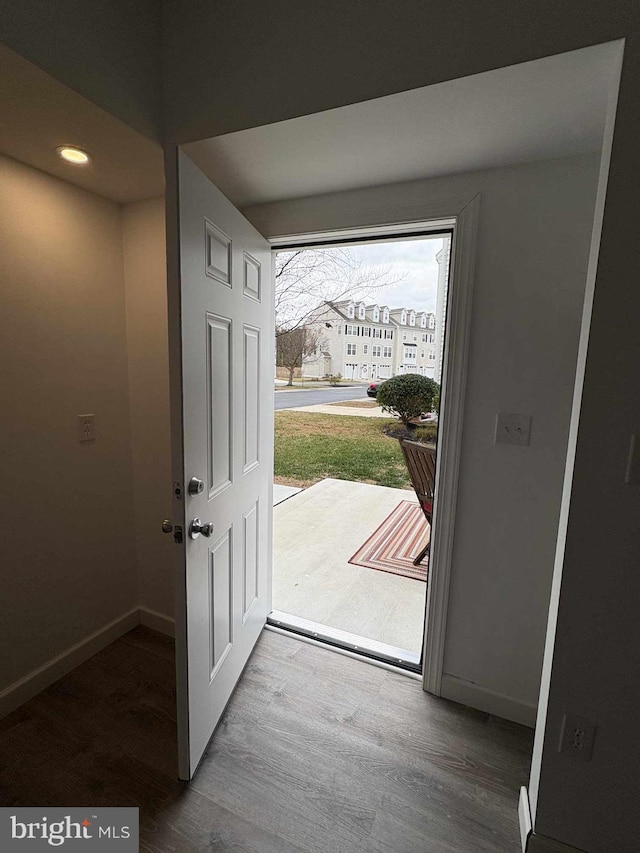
196 486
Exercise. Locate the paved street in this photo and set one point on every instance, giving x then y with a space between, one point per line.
294 399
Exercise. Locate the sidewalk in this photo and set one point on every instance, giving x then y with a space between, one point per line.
328 409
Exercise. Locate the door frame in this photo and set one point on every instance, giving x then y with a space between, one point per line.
461 213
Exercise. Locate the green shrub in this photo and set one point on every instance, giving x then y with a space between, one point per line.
335 380
407 396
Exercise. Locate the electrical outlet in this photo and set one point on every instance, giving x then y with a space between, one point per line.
576 737
86 427
512 429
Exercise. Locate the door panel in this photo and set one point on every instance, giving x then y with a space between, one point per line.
221 353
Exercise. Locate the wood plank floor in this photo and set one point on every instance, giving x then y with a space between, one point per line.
316 752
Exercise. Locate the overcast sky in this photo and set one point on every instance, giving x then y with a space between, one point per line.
412 260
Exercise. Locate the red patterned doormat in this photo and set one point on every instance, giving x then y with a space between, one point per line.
396 543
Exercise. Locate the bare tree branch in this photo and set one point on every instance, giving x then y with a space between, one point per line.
306 278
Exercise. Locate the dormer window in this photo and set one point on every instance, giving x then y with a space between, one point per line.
351 311
376 314
432 321
403 318
361 310
423 321
412 318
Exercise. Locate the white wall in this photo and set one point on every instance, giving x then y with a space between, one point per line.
68 557
143 232
532 255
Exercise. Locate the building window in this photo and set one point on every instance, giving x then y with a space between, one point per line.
387 352
339 328
422 354
388 334
412 318
351 330
403 318
415 337
423 321
377 333
376 314
365 349
404 336
352 349
409 354
424 338
376 350
432 321
385 315
432 356
361 311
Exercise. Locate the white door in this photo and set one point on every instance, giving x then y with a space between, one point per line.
221 361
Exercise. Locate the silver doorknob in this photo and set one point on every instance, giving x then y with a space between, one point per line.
197 527
196 486
167 526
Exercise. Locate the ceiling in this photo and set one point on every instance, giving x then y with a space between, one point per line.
39 114
540 110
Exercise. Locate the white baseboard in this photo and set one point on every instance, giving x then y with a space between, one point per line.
157 621
25 688
530 841
468 693
524 818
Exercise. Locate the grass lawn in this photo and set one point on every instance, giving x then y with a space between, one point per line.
310 447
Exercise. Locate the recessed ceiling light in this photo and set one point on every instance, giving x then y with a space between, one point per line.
73 155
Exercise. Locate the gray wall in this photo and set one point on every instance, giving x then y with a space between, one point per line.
107 50
68 557
532 254
241 64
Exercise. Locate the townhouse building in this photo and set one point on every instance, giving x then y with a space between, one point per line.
368 342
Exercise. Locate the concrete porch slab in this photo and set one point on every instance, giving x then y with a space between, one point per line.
315 533
283 493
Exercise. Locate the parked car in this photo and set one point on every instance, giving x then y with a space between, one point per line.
372 390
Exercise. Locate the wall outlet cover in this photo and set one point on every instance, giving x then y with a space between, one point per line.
512 428
86 428
576 737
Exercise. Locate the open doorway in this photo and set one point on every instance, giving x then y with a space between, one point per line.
360 335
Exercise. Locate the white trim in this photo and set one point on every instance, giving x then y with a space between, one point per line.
475 696
380 222
157 621
25 688
454 380
524 818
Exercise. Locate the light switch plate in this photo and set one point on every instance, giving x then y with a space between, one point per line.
86 427
512 429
